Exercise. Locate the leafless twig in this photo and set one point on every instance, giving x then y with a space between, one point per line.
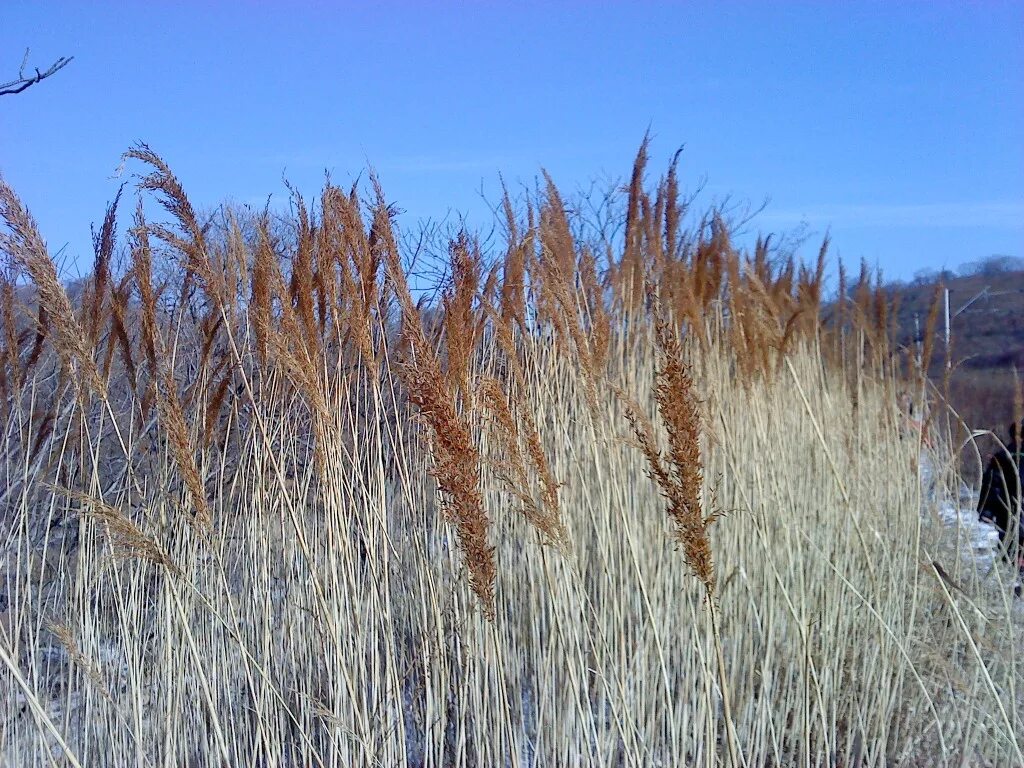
22 82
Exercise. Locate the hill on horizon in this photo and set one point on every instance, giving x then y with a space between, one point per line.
986 309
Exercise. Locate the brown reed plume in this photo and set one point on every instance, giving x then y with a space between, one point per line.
673 208
455 455
103 250
173 419
126 539
598 318
506 311
142 271
10 362
931 326
557 275
631 267
26 250
545 517
679 476
302 285
120 298
260 297
162 385
462 320
283 320
190 240
366 252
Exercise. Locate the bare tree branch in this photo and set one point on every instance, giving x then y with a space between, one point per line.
22 82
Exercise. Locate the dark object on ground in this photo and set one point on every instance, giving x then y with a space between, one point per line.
1000 499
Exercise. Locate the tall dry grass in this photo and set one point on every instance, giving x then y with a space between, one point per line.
262 506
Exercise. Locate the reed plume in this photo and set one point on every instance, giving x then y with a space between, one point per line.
545 516
142 271
10 364
25 248
931 326
679 476
103 249
455 455
173 419
191 241
126 539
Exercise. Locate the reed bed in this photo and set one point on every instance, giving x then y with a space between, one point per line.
633 501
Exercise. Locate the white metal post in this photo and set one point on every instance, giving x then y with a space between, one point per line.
946 297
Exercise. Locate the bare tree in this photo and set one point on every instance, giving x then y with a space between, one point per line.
22 82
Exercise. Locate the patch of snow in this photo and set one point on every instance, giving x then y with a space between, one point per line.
977 540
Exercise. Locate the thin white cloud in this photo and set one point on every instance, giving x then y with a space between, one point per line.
400 163
1008 214
429 164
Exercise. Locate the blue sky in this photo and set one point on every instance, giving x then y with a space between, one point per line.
898 125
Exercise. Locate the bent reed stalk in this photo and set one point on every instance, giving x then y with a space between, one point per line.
268 503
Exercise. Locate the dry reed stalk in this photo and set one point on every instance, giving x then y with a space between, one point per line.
893 334
216 402
857 663
760 313
323 287
1018 404
513 272
735 305
513 288
236 257
333 275
504 322
552 269
43 721
42 325
456 469
680 478
209 325
162 385
880 323
503 325
841 300
43 430
369 252
599 320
